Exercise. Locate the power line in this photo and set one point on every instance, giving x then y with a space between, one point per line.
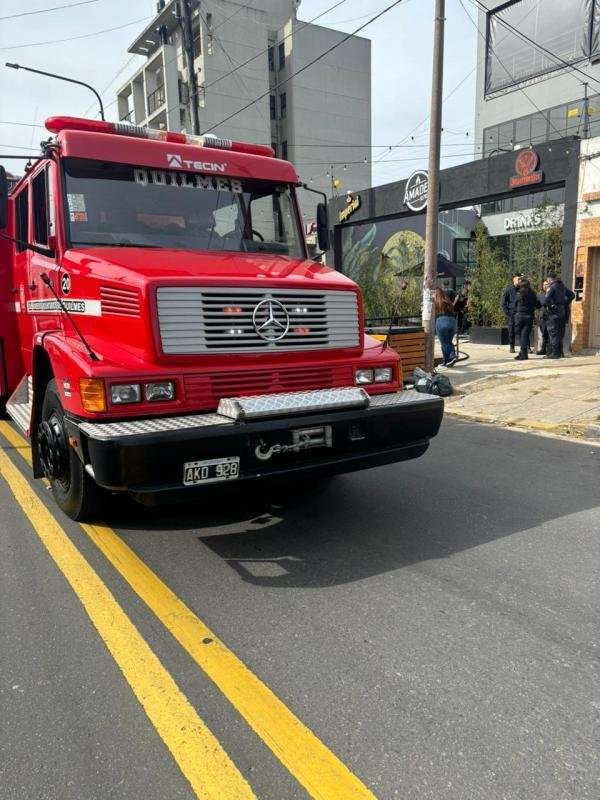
15 147
237 11
460 83
447 97
266 50
306 66
73 38
46 10
107 87
254 57
238 78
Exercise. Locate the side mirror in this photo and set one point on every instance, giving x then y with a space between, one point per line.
322 227
3 198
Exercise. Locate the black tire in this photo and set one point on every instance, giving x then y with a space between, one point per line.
74 491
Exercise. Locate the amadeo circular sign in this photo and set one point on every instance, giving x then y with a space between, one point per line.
415 194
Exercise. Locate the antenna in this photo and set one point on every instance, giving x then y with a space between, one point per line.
46 280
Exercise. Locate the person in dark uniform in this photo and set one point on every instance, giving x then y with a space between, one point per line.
556 301
508 304
525 305
543 349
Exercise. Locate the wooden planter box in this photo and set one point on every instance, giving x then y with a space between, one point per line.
478 334
408 342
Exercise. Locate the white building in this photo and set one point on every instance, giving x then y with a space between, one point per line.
243 56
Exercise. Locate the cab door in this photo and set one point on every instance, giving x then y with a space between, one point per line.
41 303
21 255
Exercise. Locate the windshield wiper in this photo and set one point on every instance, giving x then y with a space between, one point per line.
133 244
115 244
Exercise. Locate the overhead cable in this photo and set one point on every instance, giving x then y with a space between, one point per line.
46 10
306 66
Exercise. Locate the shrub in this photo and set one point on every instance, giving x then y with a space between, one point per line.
489 276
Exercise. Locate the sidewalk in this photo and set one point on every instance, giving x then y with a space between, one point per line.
553 396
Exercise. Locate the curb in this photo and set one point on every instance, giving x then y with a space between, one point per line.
578 430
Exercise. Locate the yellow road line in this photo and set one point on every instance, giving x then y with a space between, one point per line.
321 773
313 765
197 752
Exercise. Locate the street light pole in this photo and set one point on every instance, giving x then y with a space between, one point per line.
60 78
433 190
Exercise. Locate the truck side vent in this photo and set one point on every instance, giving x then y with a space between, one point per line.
204 320
121 302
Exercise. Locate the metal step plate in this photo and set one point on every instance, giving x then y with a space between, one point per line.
20 404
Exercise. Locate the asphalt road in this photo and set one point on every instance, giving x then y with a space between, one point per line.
434 624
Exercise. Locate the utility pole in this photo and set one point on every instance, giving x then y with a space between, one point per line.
586 113
185 21
433 189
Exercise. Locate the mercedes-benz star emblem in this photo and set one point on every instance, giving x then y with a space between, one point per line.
271 320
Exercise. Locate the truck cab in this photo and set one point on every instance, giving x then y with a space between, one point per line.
161 327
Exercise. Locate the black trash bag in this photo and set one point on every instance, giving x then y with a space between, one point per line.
432 384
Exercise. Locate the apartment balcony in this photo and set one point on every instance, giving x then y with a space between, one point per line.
156 99
129 117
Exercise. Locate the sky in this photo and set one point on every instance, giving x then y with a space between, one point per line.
98 32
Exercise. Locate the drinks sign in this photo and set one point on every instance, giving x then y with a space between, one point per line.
415 193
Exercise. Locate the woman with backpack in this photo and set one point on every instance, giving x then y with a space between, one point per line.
526 302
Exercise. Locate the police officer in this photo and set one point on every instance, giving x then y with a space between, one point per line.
542 321
555 302
508 304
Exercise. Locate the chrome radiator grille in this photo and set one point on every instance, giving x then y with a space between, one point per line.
205 320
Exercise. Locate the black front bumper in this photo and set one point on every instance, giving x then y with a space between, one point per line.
146 457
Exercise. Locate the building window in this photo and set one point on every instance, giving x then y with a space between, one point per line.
196 38
283 106
274 146
284 151
271 59
209 34
273 106
281 56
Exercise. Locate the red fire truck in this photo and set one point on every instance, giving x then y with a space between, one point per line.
161 327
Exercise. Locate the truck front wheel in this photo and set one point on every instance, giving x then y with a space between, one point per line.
74 491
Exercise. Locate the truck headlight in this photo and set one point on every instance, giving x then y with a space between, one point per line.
362 376
383 374
163 390
121 393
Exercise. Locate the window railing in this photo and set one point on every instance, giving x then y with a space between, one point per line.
156 99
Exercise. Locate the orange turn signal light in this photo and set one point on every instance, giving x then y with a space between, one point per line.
92 394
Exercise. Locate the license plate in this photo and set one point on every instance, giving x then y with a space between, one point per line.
212 470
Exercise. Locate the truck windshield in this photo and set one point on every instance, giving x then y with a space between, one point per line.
123 205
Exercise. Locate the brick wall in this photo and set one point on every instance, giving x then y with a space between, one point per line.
589 237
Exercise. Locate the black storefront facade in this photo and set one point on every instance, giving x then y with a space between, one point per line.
371 226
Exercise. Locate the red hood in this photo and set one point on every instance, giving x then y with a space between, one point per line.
136 266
